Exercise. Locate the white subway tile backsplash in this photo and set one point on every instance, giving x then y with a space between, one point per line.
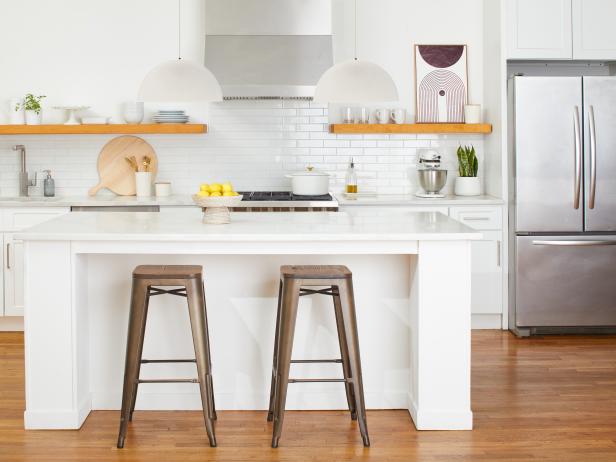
251 143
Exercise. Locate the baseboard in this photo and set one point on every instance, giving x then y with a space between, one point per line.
440 419
240 401
11 324
58 419
486 321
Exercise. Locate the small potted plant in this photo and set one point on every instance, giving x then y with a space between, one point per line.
32 107
467 183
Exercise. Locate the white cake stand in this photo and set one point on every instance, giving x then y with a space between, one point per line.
72 120
216 209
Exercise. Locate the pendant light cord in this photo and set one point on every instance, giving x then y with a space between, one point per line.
179 30
355 30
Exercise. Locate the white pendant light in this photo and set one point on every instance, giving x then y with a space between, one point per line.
180 80
355 81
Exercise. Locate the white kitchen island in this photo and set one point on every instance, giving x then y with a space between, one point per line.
411 273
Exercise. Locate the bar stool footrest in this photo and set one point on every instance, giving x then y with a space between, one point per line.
315 361
165 361
168 381
318 380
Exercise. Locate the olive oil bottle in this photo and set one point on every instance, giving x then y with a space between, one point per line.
351 179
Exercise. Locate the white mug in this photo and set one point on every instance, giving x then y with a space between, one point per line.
398 115
363 116
382 116
472 113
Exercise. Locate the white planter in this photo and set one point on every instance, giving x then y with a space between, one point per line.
468 186
32 118
143 184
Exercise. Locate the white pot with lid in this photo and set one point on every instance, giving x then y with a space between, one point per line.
309 182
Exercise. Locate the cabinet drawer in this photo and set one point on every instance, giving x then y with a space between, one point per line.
19 219
479 217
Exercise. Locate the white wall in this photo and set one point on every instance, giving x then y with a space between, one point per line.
96 53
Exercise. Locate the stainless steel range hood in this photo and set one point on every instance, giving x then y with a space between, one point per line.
262 49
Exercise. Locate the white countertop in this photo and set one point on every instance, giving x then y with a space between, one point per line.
186 200
186 226
410 199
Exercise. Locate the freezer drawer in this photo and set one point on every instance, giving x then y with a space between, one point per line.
565 281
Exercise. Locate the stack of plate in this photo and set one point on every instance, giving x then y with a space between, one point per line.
171 117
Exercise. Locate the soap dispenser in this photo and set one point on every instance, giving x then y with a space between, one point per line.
49 185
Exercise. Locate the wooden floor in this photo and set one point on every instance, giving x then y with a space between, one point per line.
545 399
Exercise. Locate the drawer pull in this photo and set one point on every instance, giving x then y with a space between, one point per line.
476 218
574 243
8 256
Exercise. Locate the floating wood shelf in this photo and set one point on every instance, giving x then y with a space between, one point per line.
359 129
119 129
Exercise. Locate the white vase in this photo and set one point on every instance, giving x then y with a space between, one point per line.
32 118
143 184
133 112
16 117
468 186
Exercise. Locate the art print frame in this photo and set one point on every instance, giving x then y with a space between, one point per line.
441 83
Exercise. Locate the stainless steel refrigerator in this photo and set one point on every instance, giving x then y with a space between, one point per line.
564 195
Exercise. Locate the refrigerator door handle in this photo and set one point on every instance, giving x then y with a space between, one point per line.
578 158
593 157
574 243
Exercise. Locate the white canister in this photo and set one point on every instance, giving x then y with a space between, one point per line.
162 188
472 113
143 184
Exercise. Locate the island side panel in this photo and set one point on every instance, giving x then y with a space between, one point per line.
52 401
440 323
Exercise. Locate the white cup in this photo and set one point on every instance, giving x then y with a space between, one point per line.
133 112
472 114
162 188
363 116
398 115
143 184
382 115
347 115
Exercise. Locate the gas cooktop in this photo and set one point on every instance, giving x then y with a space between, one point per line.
287 196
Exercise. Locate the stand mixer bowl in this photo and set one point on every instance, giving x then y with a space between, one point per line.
432 180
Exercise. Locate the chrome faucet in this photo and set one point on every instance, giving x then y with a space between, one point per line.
24 181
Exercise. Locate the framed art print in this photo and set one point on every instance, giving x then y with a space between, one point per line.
441 83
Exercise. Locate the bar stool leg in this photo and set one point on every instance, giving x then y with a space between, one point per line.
140 354
134 346
344 352
270 414
209 358
198 324
288 318
350 327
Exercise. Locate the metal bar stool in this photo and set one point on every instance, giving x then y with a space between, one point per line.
147 282
338 284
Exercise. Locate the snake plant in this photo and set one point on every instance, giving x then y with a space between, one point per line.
467 162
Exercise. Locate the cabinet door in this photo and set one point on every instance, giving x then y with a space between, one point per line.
13 276
2 275
539 29
594 34
487 274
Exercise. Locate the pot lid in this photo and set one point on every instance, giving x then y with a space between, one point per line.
310 171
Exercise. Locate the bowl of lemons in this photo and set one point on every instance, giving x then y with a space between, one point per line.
215 199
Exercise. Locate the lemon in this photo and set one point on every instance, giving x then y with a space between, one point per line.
204 187
203 193
215 194
215 187
227 187
229 193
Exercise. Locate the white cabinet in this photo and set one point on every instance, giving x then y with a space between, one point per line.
560 29
13 276
539 29
487 267
594 34
12 221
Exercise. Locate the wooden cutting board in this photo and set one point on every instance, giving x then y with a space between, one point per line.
115 173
